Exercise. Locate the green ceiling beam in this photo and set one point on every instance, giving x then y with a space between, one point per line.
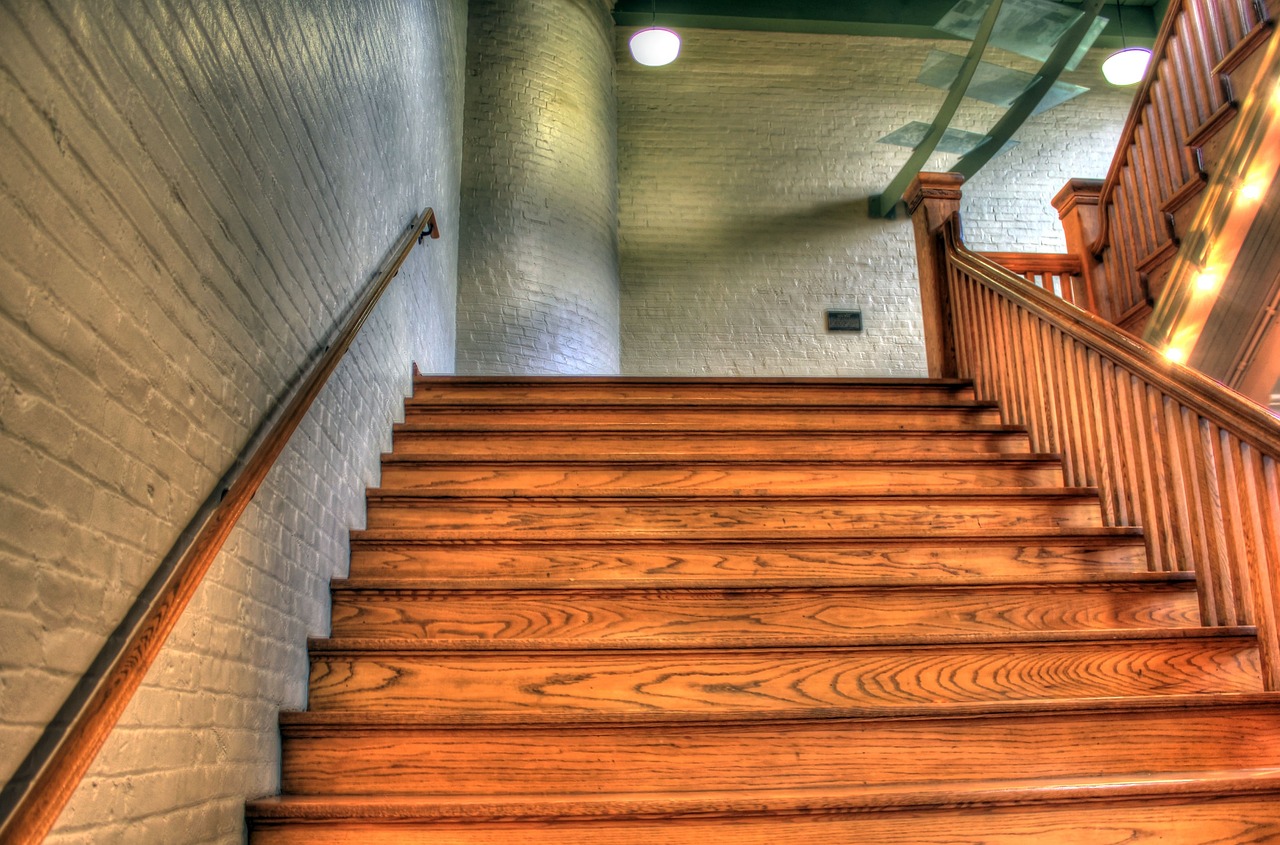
823 17
880 18
1027 101
882 204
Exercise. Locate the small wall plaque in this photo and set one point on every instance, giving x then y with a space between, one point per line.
844 321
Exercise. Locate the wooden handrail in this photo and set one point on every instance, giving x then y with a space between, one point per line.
46 779
1169 450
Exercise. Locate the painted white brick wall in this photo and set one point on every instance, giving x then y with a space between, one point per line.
744 173
538 288
190 194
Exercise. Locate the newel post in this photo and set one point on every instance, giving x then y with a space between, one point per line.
1078 209
932 198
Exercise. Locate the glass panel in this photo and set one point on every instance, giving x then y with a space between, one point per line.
956 141
993 84
1027 27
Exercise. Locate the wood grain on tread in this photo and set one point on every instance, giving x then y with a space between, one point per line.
612 479
981 558
564 760
736 517
877 417
748 679
668 446
800 612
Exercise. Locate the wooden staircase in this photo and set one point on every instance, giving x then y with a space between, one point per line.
748 611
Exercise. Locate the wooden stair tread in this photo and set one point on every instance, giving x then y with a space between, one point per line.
766 673
750 753
433 586
628 461
418 645
301 722
990 793
803 613
377 494
635 478
683 417
611 381
465 445
908 557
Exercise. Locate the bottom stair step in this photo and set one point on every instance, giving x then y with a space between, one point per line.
371 754
1190 808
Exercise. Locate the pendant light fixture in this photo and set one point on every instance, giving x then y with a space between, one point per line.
1128 64
654 45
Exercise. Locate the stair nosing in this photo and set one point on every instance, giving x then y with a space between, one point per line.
962 459
963 493
611 380
772 644
1181 581
292 721
754 432
413 536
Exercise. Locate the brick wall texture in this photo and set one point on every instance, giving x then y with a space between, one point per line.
744 172
538 286
190 196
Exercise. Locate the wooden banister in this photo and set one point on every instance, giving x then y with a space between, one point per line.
1168 145
45 781
1192 463
1057 272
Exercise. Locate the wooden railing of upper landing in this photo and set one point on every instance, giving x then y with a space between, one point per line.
1193 464
1125 229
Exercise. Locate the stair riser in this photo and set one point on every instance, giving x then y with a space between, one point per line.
717 481
644 394
602 759
855 615
874 418
747 682
729 520
1249 820
675 447
887 561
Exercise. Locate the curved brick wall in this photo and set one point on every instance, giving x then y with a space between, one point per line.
538 287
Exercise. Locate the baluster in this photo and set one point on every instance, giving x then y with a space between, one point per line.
1235 540
1162 466
1190 556
1132 388
1051 343
1265 492
1113 472
1086 406
1209 512
1046 392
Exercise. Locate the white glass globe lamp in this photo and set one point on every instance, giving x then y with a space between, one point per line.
1127 66
655 46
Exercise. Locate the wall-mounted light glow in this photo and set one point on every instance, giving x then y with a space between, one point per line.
1176 354
1208 281
1252 191
655 46
1127 66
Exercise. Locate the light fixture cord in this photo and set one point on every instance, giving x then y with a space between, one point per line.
1124 45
